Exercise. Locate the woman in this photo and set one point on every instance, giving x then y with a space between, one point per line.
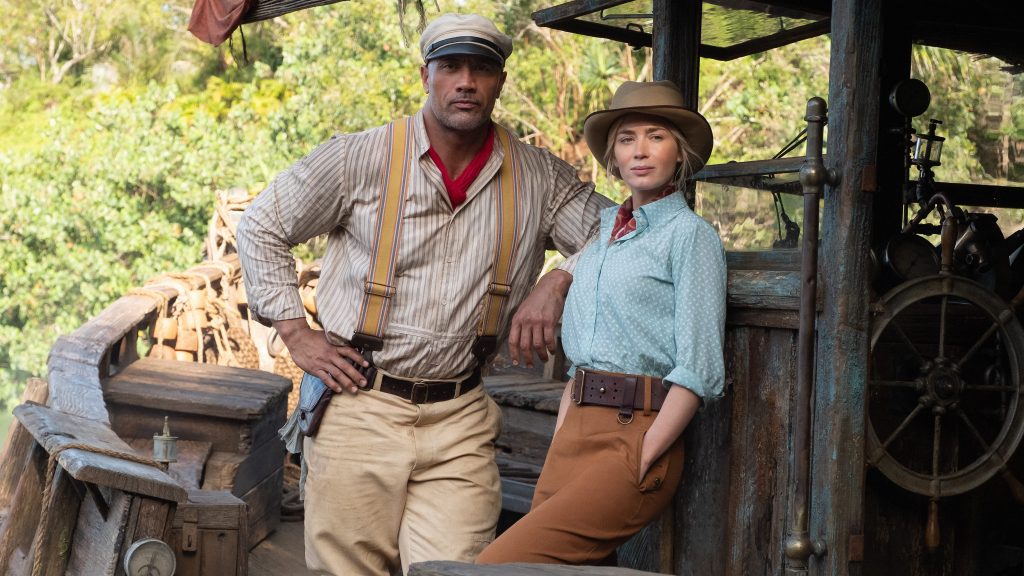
644 327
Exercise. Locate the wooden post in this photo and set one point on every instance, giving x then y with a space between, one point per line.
837 470
677 52
677 44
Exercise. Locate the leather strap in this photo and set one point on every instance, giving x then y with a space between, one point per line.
596 388
379 286
505 244
426 391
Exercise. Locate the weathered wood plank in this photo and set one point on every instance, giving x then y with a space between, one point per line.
263 503
20 527
238 473
221 527
228 435
837 466
192 459
702 501
789 319
63 515
97 541
18 446
282 553
54 430
147 518
207 389
775 290
462 569
783 260
531 393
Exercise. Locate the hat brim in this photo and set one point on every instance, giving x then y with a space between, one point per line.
695 129
465 49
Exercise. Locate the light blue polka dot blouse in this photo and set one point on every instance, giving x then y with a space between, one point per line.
652 302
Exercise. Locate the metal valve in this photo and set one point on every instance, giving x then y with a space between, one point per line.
165 447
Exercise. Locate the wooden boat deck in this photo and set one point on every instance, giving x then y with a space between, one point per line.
280 553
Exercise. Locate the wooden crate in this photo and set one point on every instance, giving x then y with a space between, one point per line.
236 410
210 535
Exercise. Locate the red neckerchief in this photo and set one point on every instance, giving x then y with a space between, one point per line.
457 188
624 220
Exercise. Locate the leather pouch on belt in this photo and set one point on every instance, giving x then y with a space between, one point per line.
314 396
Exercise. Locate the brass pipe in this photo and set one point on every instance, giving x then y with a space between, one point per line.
813 176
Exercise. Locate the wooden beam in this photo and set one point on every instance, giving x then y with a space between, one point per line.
55 430
677 45
837 466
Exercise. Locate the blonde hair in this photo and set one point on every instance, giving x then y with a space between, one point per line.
683 169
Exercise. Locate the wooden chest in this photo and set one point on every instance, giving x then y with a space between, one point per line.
209 535
237 410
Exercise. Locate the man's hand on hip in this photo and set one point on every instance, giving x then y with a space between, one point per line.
316 356
534 323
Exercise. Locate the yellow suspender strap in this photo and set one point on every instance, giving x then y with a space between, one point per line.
379 287
506 243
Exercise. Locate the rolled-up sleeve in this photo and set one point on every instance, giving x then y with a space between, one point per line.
305 201
699 275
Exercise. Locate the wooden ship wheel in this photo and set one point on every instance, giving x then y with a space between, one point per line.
945 409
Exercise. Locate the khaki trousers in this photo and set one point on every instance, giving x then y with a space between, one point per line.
392 481
588 499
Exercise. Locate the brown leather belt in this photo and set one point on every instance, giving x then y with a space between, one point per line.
426 391
627 392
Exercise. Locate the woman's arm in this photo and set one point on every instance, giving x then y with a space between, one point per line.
563 405
676 413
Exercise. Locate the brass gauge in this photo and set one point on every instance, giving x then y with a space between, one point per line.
149 557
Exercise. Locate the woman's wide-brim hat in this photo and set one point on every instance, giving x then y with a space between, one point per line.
661 99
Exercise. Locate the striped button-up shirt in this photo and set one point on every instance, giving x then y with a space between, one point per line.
443 265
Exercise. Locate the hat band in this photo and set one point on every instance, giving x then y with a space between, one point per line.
464 40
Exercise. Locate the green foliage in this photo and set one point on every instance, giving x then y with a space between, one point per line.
109 164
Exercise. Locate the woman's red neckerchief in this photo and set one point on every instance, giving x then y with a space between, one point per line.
624 220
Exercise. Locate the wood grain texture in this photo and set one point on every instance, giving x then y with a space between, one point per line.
731 506
837 451
202 389
222 535
20 525
98 539
54 430
281 553
238 473
18 446
264 507
224 434
192 459
64 505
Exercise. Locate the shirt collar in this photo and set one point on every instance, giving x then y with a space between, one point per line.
423 142
663 209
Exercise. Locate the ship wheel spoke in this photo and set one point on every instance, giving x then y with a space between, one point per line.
942 327
977 345
906 422
912 384
907 342
991 388
936 446
973 430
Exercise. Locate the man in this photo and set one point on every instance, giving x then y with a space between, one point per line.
402 465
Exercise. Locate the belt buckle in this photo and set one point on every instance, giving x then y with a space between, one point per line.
576 393
419 388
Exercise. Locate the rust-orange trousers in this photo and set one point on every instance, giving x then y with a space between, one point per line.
589 499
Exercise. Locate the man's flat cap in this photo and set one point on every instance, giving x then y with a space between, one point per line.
451 34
